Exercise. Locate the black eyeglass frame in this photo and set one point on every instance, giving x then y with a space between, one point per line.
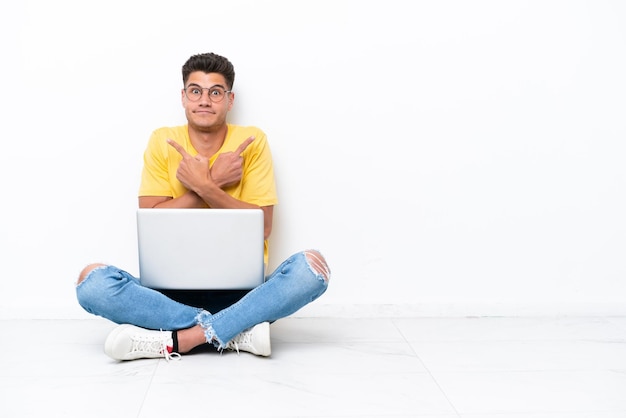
223 92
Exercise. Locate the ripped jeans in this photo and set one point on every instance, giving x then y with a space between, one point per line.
116 295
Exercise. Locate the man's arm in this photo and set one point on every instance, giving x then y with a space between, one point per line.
188 200
227 170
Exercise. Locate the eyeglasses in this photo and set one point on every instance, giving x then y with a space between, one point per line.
216 94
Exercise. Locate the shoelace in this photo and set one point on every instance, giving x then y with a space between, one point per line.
170 356
151 345
245 338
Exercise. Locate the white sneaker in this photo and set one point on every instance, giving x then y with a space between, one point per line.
255 340
129 342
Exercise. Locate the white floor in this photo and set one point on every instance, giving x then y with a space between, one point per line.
329 367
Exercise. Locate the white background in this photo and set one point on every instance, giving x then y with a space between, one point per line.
448 157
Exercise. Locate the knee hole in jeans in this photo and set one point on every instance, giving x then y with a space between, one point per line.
84 272
318 263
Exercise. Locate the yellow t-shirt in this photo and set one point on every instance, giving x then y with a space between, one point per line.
161 160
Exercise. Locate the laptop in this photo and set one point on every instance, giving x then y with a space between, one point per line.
200 248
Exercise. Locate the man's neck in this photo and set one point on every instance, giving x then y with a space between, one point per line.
207 143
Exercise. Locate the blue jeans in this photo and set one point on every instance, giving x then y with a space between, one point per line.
114 294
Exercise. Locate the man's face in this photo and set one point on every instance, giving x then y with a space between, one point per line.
206 100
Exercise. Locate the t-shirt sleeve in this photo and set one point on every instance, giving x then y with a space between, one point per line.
154 175
258 184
